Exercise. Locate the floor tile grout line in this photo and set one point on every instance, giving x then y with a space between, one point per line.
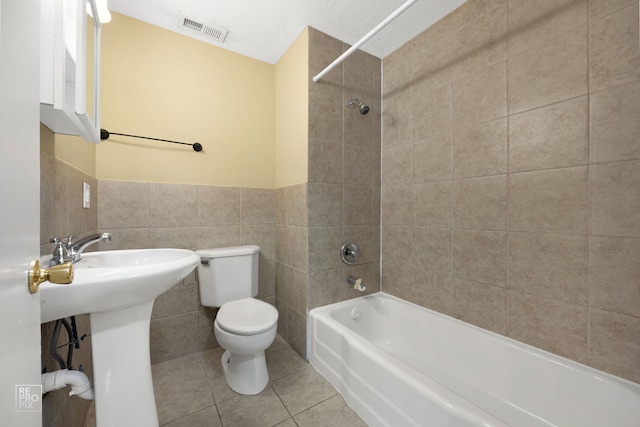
283 404
319 403
306 409
191 413
289 374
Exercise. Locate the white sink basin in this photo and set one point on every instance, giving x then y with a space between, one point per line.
111 280
117 289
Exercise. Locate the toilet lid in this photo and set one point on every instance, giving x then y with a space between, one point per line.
248 316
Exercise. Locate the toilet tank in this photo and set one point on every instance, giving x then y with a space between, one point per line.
227 274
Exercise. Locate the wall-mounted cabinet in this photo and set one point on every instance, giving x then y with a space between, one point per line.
65 56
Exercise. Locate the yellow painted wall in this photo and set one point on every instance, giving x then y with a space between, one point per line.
72 150
292 113
250 116
76 152
161 84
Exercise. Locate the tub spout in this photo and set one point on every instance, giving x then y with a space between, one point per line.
356 284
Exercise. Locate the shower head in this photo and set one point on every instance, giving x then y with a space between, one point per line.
364 108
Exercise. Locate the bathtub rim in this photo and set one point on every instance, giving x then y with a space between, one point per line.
536 351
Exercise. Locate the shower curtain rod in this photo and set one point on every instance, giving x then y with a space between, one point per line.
370 34
104 134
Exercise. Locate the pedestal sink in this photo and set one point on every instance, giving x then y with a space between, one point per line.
117 289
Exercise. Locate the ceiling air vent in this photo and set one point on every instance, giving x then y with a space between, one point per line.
212 31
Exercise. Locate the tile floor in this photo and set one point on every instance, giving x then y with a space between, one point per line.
191 392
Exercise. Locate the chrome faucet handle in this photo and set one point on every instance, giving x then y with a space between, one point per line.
60 253
70 241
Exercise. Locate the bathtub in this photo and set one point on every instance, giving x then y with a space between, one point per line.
397 364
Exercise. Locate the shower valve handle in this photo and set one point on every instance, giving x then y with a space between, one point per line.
349 252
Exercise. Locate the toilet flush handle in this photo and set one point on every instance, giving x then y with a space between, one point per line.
205 261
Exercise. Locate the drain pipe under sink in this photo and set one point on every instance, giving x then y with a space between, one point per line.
79 382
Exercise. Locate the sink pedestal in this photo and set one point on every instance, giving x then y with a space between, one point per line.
122 367
117 289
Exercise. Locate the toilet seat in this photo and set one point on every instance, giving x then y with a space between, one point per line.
248 316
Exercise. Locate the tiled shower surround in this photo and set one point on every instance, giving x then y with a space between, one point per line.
342 197
511 174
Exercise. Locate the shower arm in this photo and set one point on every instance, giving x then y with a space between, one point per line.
360 42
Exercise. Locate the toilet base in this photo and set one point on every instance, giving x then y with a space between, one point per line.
245 373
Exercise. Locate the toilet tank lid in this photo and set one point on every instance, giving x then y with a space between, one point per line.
231 251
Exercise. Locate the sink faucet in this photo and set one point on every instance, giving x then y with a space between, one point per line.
76 248
70 250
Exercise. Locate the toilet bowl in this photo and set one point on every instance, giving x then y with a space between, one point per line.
244 326
245 329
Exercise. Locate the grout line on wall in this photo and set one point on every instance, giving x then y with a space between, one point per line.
508 282
381 94
452 139
540 107
589 213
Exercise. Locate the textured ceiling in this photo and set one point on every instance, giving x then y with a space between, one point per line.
264 29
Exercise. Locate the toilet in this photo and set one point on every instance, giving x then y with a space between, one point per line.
245 327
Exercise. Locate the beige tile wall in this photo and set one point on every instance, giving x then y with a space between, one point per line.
341 201
292 264
61 214
153 215
511 174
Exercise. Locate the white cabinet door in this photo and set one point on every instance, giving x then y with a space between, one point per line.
64 78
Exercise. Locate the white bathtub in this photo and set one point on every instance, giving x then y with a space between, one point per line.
397 364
